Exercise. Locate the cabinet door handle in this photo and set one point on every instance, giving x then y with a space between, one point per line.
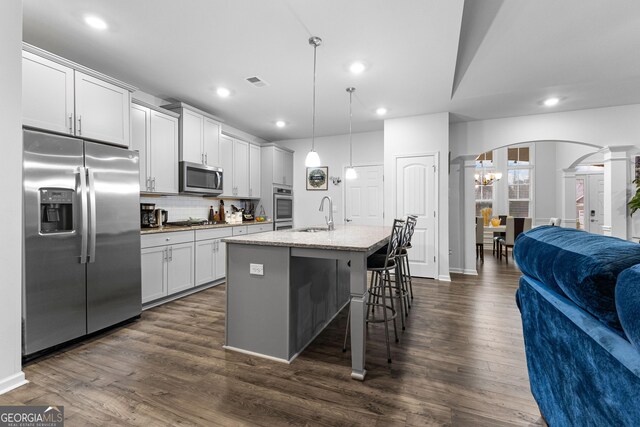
206 158
71 123
80 125
165 255
153 184
148 183
171 253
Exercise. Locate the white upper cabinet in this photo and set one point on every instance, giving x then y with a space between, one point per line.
210 144
154 134
240 162
254 171
226 163
64 97
192 134
164 152
47 94
140 124
288 167
102 110
241 168
199 135
282 166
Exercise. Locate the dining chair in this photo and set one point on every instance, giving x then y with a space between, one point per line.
498 234
480 238
515 226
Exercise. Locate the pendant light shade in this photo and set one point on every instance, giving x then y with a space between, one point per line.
351 172
313 160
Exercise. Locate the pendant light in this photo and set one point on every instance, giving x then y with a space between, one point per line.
313 160
351 172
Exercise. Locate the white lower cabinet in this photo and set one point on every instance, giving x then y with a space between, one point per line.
210 255
177 261
180 267
168 262
154 273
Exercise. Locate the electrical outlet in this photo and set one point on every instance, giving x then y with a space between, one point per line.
256 269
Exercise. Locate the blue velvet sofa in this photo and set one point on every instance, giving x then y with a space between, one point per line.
579 298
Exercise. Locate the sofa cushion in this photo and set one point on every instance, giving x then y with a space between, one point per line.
584 266
628 303
535 252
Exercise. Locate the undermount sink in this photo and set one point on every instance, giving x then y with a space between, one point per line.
312 229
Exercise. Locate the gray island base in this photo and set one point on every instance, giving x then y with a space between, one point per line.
285 287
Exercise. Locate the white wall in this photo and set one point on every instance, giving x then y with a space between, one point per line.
599 127
419 135
11 374
334 153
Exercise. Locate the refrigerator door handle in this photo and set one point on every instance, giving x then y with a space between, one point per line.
84 215
92 210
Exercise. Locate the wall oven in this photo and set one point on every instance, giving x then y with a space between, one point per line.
195 178
282 205
284 225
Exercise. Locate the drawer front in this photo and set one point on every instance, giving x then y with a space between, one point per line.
159 239
214 233
259 228
239 231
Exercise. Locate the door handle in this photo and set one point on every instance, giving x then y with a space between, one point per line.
165 255
84 215
348 219
153 184
171 253
71 124
202 158
80 125
148 183
206 158
92 209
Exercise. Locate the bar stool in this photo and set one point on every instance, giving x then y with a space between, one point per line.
403 255
381 267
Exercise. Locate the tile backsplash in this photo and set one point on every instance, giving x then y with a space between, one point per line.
184 207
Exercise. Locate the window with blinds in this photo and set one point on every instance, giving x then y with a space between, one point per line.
519 171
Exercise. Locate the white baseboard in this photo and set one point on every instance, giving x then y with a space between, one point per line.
444 278
470 272
14 381
456 270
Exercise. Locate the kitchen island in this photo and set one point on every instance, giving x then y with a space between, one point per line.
285 287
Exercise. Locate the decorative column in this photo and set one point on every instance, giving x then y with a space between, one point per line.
468 203
568 208
616 185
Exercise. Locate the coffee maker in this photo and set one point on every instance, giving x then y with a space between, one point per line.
148 215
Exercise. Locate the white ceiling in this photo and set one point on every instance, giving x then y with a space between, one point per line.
511 56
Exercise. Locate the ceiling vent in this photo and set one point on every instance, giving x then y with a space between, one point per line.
257 81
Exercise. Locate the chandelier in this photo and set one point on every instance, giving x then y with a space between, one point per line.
488 178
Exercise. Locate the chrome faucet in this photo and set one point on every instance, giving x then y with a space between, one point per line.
329 220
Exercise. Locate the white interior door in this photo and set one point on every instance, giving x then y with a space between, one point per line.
594 204
416 195
364 196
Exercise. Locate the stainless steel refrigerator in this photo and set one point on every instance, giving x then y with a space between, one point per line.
81 239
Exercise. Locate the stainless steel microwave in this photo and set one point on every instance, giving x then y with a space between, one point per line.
196 178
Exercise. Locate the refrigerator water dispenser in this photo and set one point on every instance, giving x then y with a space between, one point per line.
56 210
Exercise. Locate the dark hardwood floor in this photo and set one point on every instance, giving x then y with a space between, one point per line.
460 362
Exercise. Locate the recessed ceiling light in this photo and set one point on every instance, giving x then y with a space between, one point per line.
357 67
550 102
280 124
223 92
381 111
95 22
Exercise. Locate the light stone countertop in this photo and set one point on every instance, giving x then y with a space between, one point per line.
172 228
359 238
